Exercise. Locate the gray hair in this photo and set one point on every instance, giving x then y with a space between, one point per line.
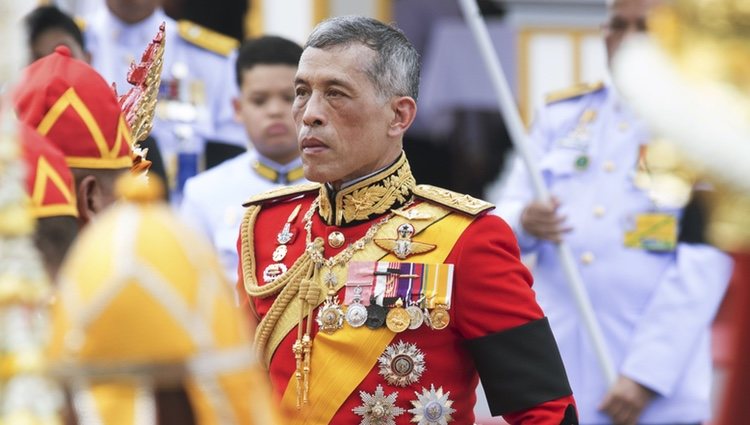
395 69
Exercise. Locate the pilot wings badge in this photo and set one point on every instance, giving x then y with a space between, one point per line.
403 246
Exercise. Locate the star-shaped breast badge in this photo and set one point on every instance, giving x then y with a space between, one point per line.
377 409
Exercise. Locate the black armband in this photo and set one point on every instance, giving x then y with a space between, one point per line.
520 367
571 417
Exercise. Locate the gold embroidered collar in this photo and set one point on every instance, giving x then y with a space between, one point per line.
276 176
386 190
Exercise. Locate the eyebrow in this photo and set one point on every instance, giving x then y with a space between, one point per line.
329 82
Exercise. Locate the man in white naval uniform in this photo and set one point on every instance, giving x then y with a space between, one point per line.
196 92
653 294
213 200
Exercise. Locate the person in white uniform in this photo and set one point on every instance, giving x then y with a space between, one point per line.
653 293
213 200
196 91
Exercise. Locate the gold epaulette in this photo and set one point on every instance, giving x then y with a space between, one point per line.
577 90
282 193
453 200
80 23
206 38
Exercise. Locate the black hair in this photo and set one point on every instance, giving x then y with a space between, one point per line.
53 237
266 50
45 18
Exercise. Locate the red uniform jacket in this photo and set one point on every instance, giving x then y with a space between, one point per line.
497 330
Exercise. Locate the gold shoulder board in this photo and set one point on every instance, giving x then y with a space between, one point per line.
453 200
577 90
206 38
80 23
282 193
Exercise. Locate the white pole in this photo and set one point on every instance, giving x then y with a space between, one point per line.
518 137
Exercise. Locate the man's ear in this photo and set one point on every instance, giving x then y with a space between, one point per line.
89 199
404 112
237 112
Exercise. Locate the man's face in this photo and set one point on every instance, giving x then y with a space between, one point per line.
47 41
626 17
132 11
265 109
342 121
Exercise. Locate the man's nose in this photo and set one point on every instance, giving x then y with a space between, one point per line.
313 114
278 107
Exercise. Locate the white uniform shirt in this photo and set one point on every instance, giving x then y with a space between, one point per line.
212 201
655 308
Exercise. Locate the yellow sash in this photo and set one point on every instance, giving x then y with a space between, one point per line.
341 361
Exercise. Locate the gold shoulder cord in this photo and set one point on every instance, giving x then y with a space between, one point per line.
287 285
301 280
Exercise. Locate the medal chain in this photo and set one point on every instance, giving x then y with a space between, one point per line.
344 256
302 347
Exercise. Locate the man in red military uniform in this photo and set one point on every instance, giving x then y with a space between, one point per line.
382 301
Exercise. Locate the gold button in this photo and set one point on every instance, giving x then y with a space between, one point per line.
624 126
609 166
599 211
587 257
336 239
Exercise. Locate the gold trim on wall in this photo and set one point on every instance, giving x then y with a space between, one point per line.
254 19
321 11
384 10
524 39
576 36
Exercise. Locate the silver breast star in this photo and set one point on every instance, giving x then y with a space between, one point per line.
377 409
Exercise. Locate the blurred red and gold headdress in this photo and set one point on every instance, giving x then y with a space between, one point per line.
67 101
49 181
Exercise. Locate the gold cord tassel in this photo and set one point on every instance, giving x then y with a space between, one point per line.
308 294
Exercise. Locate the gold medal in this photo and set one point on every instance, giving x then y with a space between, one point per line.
398 319
439 317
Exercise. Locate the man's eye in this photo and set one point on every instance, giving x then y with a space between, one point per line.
300 91
618 25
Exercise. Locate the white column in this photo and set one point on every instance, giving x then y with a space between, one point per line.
292 19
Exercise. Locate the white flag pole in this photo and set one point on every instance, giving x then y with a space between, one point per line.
518 136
